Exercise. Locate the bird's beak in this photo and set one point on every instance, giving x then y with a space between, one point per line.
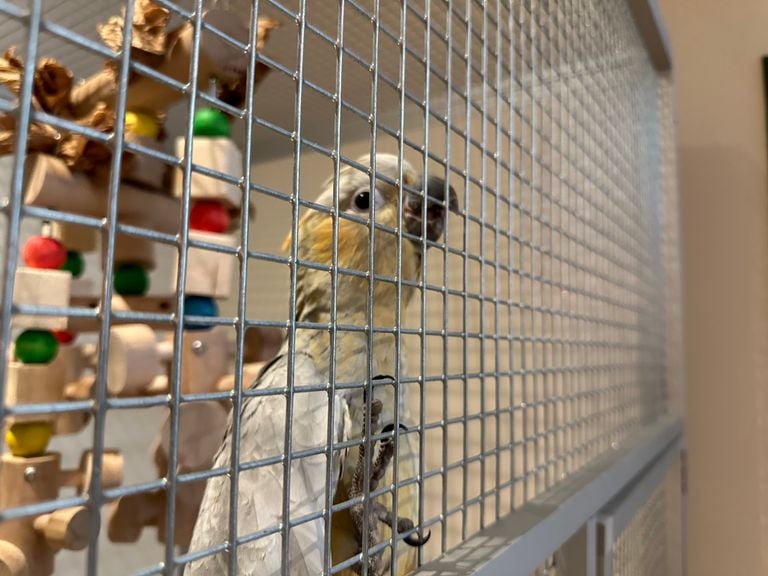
437 190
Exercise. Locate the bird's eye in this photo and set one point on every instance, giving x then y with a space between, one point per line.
363 200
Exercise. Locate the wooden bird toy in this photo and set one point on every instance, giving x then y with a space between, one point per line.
69 172
28 544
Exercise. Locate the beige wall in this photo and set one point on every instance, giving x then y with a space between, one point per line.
716 48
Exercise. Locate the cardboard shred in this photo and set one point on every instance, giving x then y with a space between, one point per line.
149 32
90 103
80 152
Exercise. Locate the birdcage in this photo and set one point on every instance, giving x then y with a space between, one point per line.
154 155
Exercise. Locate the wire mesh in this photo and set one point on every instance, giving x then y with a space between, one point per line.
535 335
642 547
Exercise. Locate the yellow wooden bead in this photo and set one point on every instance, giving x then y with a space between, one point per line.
28 438
141 124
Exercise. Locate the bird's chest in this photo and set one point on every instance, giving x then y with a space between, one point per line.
351 369
349 356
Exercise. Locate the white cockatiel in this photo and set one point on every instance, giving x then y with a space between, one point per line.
263 417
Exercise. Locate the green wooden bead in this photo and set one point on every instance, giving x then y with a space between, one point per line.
131 280
36 347
74 264
211 122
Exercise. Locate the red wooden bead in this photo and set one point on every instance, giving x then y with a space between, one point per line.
44 252
64 336
209 216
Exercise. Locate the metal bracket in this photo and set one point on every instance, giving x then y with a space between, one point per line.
652 31
617 515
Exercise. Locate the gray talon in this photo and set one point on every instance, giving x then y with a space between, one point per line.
417 541
406 525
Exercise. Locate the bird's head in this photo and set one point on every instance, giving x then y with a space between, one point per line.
420 224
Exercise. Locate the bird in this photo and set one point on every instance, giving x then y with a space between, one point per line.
397 202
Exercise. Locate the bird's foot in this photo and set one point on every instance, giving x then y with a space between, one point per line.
377 512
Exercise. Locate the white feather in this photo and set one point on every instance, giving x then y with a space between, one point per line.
260 490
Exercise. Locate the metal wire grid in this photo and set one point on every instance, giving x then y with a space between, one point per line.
671 244
575 302
540 332
642 547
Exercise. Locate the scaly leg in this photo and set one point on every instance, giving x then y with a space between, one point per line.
377 512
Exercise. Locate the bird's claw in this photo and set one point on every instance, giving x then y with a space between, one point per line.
403 525
377 512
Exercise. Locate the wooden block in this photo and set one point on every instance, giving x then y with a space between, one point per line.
134 250
78 238
217 58
188 500
81 389
111 471
41 484
41 288
82 287
206 356
210 273
154 304
28 481
12 560
133 359
201 428
220 154
130 514
143 303
35 384
262 343
69 361
70 423
250 371
76 389
51 184
143 170
158 386
65 529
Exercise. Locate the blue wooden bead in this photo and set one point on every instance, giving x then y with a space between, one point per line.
199 306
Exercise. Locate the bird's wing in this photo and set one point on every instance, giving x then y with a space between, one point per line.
260 489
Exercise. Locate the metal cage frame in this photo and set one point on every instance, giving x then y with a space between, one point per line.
573 319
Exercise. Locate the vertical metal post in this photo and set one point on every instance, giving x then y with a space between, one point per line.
301 22
465 260
608 539
242 285
402 45
422 288
336 156
446 383
181 282
12 210
592 547
482 264
96 499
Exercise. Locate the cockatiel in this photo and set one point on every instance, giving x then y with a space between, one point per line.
262 418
